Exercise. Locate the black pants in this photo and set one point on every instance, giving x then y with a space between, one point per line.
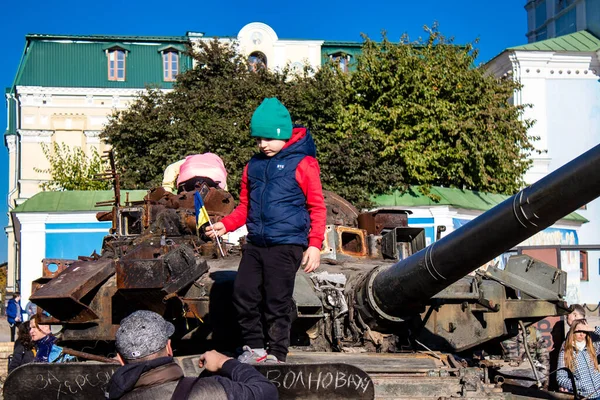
13 328
263 287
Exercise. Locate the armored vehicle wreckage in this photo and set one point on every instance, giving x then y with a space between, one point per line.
412 317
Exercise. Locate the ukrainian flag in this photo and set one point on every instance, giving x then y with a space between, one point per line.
201 213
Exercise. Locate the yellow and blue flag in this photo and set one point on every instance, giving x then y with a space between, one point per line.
201 213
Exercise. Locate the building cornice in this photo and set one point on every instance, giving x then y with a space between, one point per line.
286 42
72 217
81 91
35 136
92 137
500 65
32 222
546 65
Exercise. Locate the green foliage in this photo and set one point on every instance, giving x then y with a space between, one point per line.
72 169
434 119
410 113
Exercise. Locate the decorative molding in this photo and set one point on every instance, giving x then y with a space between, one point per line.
11 143
80 91
545 65
32 222
553 65
254 29
92 137
35 136
307 43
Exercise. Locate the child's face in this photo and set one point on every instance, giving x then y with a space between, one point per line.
573 316
270 147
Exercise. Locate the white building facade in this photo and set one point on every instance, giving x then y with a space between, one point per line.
560 79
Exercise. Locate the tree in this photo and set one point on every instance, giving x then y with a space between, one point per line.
72 169
411 113
434 118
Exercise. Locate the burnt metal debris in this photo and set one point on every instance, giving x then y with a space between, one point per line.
414 317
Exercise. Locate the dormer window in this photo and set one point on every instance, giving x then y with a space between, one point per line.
116 55
342 59
116 65
170 61
170 65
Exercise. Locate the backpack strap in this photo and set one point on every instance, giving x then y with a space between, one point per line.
184 387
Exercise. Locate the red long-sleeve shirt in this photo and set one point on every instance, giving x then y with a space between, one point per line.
308 178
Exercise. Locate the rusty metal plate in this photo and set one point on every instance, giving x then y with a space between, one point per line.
376 221
169 273
339 210
51 267
63 297
183 268
141 274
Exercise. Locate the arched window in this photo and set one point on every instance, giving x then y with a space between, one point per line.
256 61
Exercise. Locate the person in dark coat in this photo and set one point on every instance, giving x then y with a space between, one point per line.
14 314
149 372
23 350
46 349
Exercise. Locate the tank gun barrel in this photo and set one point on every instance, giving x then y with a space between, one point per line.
403 289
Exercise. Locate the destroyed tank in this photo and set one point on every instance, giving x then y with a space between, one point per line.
415 318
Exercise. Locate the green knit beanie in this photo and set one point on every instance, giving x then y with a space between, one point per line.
271 120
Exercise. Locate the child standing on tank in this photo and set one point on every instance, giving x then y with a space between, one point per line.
282 205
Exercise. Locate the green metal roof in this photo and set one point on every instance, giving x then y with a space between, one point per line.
334 43
458 198
108 38
74 201
82 62
582 41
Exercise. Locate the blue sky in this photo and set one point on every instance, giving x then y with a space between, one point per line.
498 25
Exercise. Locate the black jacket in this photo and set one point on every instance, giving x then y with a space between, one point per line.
157 379
20 356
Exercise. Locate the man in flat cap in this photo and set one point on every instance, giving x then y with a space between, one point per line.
149 372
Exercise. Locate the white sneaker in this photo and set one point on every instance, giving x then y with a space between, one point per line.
271 359
252 356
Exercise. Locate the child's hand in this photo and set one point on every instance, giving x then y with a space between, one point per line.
217 229
212 360
311 259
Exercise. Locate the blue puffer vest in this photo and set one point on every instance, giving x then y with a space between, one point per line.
278 213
